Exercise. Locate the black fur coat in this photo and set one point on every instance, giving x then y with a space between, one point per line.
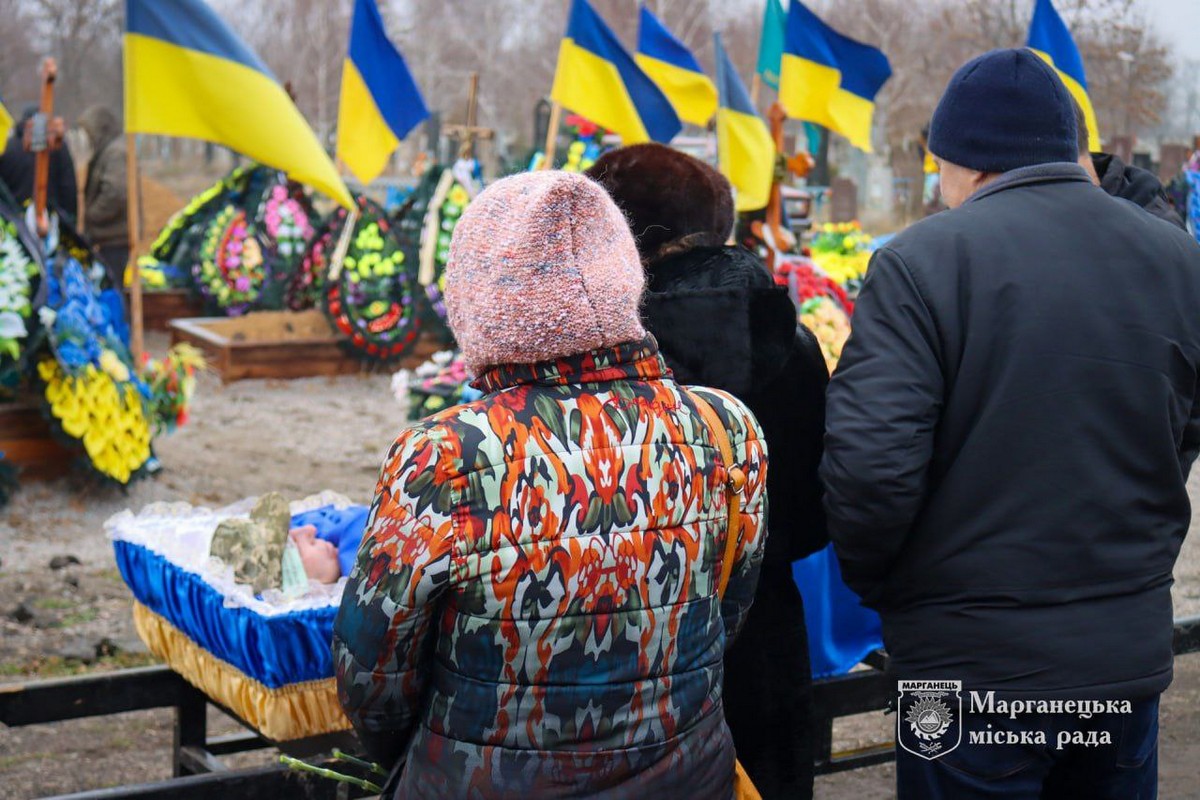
721 321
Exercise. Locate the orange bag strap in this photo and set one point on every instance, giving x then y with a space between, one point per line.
734 481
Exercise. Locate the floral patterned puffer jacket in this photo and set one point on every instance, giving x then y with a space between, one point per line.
534 609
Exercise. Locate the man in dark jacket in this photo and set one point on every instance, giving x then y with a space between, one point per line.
105 198
1010 432
1122 180
17 171
721 321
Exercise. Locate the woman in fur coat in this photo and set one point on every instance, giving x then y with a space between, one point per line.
721 321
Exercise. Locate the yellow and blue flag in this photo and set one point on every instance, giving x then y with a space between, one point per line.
745 149
6 124
673 67
380 101
828 78
187 74
1050 39
596 78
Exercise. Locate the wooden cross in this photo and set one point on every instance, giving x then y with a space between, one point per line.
778 239
469 132
42 135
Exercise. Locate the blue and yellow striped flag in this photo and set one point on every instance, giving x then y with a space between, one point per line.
380 101
187 74
673 67
828 78
6 124
596 78
745 149
1050 39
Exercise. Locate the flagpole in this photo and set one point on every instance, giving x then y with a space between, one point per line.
755 88
137 342
552 135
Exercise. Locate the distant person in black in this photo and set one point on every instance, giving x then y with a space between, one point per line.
1123 180
17 168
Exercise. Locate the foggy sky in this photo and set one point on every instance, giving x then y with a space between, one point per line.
1177 21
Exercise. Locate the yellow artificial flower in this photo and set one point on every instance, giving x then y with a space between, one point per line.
111 363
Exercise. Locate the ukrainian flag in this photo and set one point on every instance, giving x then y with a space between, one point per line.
187 74
596 78
1050 39
828 78
380 100
676 71
6 124
745 149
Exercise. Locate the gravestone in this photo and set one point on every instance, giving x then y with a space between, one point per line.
844 205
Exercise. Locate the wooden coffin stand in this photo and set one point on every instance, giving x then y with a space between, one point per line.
278 344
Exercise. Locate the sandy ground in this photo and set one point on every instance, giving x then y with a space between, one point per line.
298 437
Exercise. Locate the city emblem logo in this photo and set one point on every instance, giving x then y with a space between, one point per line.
929 717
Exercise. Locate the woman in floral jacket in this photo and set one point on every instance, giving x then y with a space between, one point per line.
534 609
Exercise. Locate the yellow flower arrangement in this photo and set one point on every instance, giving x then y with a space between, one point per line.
829 324
106 415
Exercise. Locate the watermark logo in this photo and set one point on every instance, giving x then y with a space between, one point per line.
929 718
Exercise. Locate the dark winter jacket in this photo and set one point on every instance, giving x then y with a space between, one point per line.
1010 431
534 609
1135 185
17 172
721 321
105 195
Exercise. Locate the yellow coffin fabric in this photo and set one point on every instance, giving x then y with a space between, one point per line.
289 712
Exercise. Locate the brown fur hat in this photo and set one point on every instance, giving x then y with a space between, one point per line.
668 196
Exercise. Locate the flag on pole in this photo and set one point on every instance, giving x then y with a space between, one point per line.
828 78
187 74
380 101
597 79
1050 39
745 149
6 124
770 46
675 70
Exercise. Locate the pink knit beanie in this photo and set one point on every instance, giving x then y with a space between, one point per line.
542 265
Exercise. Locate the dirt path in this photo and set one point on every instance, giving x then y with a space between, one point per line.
297 437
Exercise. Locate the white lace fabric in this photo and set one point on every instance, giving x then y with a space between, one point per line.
182 534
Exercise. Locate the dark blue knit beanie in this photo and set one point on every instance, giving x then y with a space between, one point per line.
1004 110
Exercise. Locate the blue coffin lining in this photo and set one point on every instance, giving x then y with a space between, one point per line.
275 651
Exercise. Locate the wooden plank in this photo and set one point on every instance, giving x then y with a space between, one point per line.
280 345
159 307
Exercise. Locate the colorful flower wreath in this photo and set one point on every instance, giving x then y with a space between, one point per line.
232 268
842 250
307 282
830 324
18 271
90 386
448 215
171 383
439 383
822 304
370 299
175 251
286 222
102 411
